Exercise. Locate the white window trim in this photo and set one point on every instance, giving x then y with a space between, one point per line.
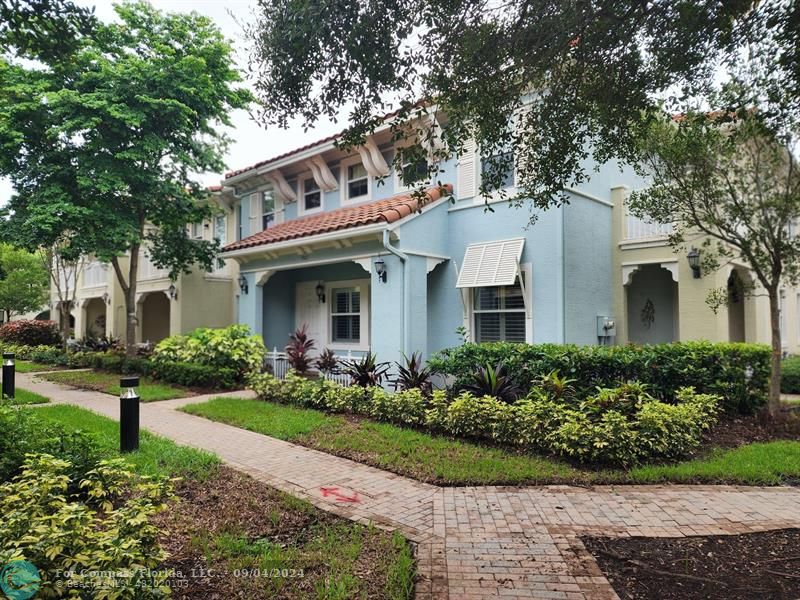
366 337
495 195
274 212
301 195
468 298
192 232
224 228
399 186
348 162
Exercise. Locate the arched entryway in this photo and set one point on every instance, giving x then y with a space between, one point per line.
652 301
737 331
154 309
95 324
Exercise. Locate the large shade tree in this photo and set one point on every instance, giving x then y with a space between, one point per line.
572 76
24 281
104 149
725 173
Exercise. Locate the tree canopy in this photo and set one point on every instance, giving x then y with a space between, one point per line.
104 150
573 78
24 282
42 28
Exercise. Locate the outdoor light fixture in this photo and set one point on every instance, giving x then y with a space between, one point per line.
320 293
694 261
380 269
173 291
243 284
106 298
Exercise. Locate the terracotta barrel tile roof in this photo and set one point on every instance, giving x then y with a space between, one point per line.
388 210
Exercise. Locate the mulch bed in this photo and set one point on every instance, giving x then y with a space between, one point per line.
751 566
736 430
230 502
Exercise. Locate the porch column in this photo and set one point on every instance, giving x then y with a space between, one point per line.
80 318
175 317
386 311
251 304
418 305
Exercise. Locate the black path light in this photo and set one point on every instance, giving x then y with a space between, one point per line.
8 376
129 414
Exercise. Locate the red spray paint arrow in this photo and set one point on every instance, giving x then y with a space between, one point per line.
338 496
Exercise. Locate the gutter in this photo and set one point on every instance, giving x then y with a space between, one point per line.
406 288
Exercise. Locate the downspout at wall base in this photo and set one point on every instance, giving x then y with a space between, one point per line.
406 288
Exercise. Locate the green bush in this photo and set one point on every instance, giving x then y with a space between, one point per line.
23 433
790 375
229 348
739 373
193 375
74 542
30 332
621 426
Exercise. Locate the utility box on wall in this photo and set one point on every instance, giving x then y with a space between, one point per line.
606 327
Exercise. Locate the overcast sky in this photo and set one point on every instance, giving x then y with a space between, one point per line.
251 142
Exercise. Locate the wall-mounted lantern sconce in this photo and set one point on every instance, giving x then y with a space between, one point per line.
243 284
106 298
694 262
173 291
320 289
380 269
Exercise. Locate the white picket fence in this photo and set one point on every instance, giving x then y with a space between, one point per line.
277 363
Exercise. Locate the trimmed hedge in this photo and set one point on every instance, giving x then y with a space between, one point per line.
194 375
790 375
739 373
31 333
619 426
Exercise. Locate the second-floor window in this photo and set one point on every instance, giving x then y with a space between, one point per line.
267 209
312 195
357 182
219 229
197 231
505 161
412 173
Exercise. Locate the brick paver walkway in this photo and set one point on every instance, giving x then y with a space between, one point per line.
472 542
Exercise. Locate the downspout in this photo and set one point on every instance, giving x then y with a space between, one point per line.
406 288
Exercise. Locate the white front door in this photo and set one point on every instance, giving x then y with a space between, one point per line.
308 309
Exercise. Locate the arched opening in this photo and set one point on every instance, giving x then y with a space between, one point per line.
154 321
736 318
95 318
43 316
652 299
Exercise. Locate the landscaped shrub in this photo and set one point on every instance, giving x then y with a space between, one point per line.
790 375
298 350
739 373
621 426
31 333
76 543
365 371
229 348
193 375
413 374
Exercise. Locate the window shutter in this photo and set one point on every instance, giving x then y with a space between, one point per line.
491 264
255 206
466 177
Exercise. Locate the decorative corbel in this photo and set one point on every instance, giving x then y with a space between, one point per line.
283 191
322 174
372 159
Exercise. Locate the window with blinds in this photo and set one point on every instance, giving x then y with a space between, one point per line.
499 313
346 315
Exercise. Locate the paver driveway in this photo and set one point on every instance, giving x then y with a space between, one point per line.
472 542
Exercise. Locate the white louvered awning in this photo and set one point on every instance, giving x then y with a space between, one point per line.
491 263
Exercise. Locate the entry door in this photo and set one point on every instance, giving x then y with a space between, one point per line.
308 309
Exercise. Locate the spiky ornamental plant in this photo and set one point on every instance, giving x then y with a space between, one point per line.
298 350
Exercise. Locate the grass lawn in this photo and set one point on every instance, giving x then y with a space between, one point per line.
150 391
228 520
446 461
26 366
26 397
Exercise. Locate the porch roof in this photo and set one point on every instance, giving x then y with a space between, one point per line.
388 210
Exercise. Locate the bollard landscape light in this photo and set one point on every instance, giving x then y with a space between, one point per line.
129 414
8 376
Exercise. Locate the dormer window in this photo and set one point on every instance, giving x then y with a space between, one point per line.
267 209
357 182
312 195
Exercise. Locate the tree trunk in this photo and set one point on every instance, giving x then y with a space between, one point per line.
64 310
130 303
774 401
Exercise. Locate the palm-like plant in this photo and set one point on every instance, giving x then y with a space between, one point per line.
411 373
493 381
366 372
327 362
298 350
558 387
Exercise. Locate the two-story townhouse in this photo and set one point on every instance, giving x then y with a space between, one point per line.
163 307
335 240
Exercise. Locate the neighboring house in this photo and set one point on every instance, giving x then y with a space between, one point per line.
163 307
659 297
323 240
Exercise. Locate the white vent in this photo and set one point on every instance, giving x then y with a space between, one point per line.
490 264
466 179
